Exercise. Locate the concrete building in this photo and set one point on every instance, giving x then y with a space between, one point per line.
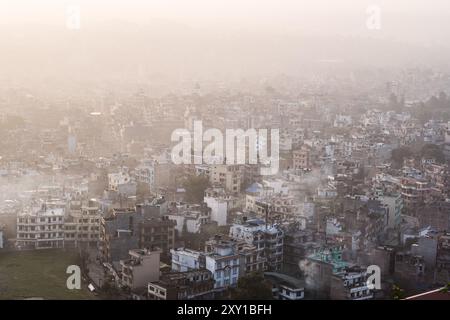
189 285
157 232
155 208
394 203
224 265
297 245
227 176
427 248
186 260
154 173
141 268
122 183
222 259
119 234
384 257
410 271
189 218
267 239
217 201
301 158
285 287
129 228
41 227
145 173
350 284
319 267
250 259
82 226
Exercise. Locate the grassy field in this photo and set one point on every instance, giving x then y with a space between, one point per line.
38 274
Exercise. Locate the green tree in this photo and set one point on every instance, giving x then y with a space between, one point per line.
195 187
253 287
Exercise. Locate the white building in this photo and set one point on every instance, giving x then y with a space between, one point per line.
224 265
189 218
216 199
267 239
223 262
186 259
190 222
41 227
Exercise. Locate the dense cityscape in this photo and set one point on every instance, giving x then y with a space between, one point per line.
352 202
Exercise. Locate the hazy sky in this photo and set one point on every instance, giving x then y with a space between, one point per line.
410 19
240 36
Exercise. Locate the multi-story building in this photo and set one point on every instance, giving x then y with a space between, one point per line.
189 218
41 227
297 245
410 270
223 263
394 203
222 260
119 234
319 267
285 287
189 285
216 199
268 241
351 284
249 258
155 208
128 229
141 268
145 173
228 176
186 260
415 192
157 232
82 226
154 173
301 158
